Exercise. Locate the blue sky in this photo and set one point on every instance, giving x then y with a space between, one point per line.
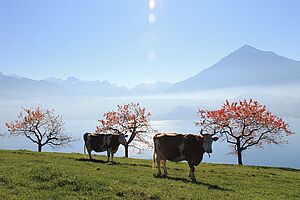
113 40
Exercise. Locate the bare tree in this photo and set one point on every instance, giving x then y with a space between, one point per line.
40 126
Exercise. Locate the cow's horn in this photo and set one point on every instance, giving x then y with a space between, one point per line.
201 132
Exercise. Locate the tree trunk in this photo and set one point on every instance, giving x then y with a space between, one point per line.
40 148
126 150
239 152
240 162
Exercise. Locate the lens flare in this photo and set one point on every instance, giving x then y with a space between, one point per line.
151 4
151 18
151 55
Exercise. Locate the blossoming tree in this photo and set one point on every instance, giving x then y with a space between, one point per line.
131 120
40 126
244 124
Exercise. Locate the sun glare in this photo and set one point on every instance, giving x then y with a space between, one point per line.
151 4
151 55
151 18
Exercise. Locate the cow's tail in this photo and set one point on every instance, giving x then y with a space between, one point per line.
84 146
84 151
154 160
154 155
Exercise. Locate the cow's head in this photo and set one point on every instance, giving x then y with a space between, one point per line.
122 139
207 140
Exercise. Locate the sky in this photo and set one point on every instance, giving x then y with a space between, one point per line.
128 42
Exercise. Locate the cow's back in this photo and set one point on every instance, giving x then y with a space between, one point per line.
169 146
96 142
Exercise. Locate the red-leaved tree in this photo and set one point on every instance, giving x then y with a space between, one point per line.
131 120
244 124
40 126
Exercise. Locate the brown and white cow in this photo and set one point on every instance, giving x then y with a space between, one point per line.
103 142
178 147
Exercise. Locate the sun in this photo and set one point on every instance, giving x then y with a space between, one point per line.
151 4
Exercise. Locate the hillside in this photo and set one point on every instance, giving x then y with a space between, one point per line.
31 175
246 66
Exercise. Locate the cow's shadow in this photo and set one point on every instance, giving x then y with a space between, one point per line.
209 186
112 163
92 160
134 165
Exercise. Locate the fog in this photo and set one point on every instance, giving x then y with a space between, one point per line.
81 114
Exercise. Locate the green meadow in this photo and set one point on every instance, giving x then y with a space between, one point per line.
32 175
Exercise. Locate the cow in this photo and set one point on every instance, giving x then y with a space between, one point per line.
178 147
103 142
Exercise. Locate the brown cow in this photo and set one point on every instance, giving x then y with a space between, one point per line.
178 147
103 142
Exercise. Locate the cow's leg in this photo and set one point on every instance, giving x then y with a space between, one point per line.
164 164
108 155
112 157
158 165
90 153
192 171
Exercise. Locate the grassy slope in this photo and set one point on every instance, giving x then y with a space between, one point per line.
28 175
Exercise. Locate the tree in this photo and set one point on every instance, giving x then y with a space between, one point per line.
131 120
244 124
41 126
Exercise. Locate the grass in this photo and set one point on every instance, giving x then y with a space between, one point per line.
31 175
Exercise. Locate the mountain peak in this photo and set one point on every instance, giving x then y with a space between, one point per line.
73 79
248 49
247 46
245 67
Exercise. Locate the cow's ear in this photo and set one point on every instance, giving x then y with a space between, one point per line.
215 138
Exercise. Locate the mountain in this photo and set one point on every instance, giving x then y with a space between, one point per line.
246 66
72 86
13 85
76 86
158 87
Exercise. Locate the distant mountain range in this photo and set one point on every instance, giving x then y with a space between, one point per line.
14 85
246 66
75 86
